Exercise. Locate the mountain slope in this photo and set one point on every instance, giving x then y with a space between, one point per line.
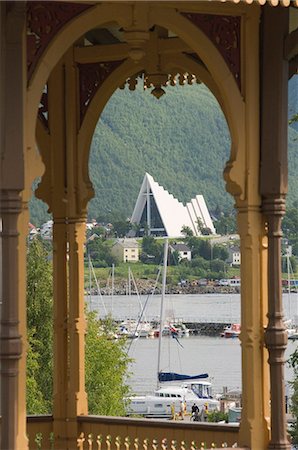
181 140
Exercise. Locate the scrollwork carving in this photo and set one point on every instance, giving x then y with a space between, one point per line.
91 77
44 20
43 110
224 32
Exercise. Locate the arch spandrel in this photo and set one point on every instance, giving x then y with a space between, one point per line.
95 108
227 86
93 17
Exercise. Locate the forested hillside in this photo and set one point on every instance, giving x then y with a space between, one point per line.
182 140
293 100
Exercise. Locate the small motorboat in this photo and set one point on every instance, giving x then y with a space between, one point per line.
233 331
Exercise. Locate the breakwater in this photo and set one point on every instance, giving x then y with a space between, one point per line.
206 329
144 287
211 329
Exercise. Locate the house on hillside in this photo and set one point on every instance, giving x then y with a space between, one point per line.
46 230
183 250
33 231
234 258
126 250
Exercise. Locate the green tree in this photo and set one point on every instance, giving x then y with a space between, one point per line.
121 228
106 369
220 252
290 227
194 244
187 231
226 224
40 328
36 403
100 251
152 250
293 362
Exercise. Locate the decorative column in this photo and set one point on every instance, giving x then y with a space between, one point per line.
243 178
23 222
61 189
60 335
76 219
77 325
254 427
12 96
274 102
11 344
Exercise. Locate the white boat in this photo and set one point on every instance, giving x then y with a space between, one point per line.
160 403
168 397
233 331
293 336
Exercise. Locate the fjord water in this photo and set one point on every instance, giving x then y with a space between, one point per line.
219 357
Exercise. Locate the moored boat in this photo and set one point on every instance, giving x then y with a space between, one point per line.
161 402
232 331
169 399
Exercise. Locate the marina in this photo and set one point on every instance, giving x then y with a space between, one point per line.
219 357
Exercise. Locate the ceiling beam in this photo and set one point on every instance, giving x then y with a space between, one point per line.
116 52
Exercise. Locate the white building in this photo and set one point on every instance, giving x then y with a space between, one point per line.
159 213
46 230
234 256
126 250
183 250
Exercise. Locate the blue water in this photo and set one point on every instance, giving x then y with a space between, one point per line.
219 357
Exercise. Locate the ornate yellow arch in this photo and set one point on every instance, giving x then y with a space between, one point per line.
241 109
231 100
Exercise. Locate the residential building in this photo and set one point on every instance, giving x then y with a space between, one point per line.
234 258
183 250
126 250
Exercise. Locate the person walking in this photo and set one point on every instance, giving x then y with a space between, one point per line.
182 409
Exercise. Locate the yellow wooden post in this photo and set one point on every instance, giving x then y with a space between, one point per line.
254 427
61 190
12 246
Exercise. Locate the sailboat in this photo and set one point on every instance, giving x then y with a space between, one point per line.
168 397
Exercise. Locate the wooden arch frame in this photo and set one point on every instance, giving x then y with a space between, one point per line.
228 95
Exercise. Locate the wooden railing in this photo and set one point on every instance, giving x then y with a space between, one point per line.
100 442
115 433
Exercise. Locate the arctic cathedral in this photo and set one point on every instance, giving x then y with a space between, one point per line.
159 213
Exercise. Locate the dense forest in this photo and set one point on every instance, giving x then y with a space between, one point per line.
182 140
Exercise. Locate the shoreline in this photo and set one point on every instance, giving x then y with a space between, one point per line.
145 288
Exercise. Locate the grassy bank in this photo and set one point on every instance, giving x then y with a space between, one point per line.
149 272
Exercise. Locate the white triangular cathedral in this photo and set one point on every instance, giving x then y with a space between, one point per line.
159 213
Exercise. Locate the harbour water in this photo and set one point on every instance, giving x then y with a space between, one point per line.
219 357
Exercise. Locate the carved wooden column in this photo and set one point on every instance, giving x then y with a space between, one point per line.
11 344
12 95
274 101
23 221
60 341
61 189
76 238
254 426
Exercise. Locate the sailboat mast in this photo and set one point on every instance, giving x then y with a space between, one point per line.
112 296
164 280
289 282
89 268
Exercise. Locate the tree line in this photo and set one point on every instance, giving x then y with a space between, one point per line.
106 360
